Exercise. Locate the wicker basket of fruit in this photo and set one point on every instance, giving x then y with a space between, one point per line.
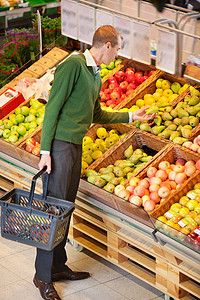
99 139
23 120
125 81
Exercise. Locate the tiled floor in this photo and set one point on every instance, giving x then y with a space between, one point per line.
107 282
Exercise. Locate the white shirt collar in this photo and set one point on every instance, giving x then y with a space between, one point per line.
89 59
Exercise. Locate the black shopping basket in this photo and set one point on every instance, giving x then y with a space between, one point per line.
34 219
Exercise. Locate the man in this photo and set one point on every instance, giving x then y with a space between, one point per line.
73 105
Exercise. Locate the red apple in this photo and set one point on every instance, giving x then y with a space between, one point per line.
151 172
112 79
163 192
139 191
145 198
149 205
119 76
129 92
155 180
113 85
36 150
180 178
166 184
155 197
123 85
197 165
190 170
154 188
144 182
189 163
118 90
161 174
164 165
123 193
129 71
30 147
180 161
179 168
130 77
115 96
131 86
130 189
135 200
30 141
118 188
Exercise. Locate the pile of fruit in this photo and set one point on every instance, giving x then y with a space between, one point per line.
183 216
122 84
194 146
158 184
92 150
22 122
114 176
105 69
176 123
32 146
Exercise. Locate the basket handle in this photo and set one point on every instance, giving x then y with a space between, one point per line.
33 183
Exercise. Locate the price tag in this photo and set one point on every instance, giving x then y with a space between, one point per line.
103 18
69 19
166 51
124 27
141 42
86 23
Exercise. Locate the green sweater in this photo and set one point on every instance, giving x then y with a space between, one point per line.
74 103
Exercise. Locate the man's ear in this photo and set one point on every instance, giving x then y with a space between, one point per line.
108 45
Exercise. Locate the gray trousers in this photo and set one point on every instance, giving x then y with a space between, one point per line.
63 183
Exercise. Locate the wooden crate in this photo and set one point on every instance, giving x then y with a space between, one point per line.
150 88
134 251
171 154
127 63
138 140
25 103
57 53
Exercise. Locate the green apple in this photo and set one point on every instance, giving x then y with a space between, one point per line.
32 111
25 110
13 138
194 92
31 130
14 121
1 132
175 87
18 111
7 124
20 118
12 116
39 121
103 66
118 62
31 101
30 118
156 96
36 104
14 128
159 83
32 124
39 112
103 72
21 130
111 65
26 125
15 132
6 133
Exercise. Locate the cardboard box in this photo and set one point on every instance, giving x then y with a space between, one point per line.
57 53
9 100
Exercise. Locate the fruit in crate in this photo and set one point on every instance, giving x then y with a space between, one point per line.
92 150
32 146
122 84
175 124
114 176
105 69
22 122
193 145
159 183
183 216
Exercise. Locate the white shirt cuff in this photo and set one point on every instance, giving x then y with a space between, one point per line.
44 152
130 117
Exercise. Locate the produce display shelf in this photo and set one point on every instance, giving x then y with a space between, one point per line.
133 248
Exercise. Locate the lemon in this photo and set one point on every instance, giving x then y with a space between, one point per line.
87 140
149 101
88 147
160 91
101 133
84 165
140 103
96 154
134 108
87 157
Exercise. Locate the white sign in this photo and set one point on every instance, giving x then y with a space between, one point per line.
69 19
141 42
86 23
166 51
124 27
103 18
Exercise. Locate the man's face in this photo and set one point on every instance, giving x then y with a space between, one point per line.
111 52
